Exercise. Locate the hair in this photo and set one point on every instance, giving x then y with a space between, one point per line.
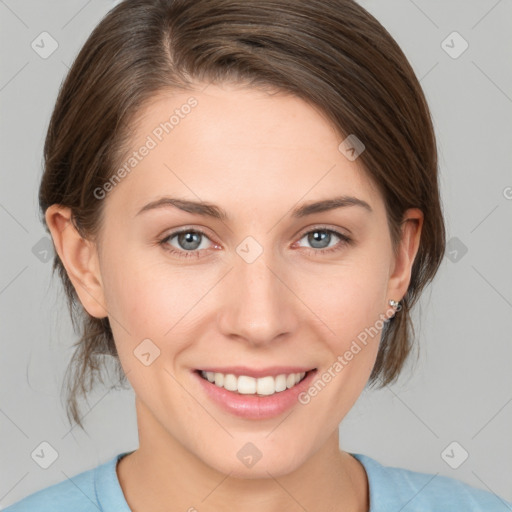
332 54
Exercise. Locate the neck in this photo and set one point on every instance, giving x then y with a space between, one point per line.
162 472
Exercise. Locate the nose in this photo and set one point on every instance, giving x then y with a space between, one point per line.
259 305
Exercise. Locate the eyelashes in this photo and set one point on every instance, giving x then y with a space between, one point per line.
344 240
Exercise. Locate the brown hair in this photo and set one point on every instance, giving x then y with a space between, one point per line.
331 53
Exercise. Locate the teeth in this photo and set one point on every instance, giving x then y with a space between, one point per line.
250 386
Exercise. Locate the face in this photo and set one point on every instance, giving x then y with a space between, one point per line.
261 288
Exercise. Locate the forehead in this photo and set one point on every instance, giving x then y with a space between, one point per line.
239 146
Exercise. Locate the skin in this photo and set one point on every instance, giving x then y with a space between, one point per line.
257 156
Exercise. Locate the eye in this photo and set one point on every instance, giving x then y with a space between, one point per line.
188 242
320 239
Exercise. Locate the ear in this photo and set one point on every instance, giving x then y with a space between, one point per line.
80 259
400 273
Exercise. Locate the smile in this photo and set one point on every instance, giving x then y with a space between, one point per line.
254 394
246 385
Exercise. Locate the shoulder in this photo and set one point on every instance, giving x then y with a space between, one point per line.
89 491
408 491
76 493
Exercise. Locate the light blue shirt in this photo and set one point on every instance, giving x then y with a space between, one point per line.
391 490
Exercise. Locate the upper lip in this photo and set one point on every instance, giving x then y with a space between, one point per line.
272 371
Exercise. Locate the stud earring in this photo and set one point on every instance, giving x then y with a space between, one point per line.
394 304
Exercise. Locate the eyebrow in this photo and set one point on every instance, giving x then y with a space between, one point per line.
212 210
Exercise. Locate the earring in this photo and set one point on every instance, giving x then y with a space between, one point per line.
394 304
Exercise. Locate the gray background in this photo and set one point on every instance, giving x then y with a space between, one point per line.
461 387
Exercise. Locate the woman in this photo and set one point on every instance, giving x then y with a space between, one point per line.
244 204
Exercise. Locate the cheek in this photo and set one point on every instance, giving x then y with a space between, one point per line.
155 301
347 299
149 303
351 306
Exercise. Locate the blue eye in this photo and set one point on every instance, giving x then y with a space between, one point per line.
190 241
320 238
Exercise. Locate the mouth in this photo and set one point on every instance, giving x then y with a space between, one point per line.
264 394
263 385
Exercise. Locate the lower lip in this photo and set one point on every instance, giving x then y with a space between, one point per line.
252 406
